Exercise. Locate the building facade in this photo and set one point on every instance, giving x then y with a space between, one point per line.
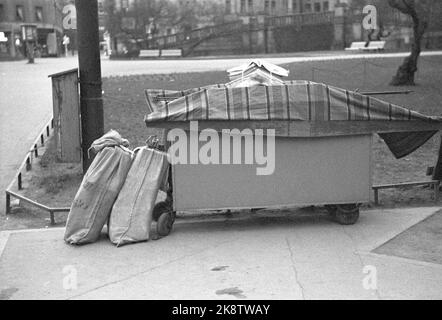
270 26
43 14
279 7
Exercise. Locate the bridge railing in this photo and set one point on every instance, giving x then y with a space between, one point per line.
301 19
195 35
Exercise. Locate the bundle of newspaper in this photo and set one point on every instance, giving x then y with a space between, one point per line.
256 72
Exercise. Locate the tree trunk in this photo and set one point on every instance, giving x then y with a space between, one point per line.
405 73
437 172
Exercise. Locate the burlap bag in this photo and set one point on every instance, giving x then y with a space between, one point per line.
99 189
131 215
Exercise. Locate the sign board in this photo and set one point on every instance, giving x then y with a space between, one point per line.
69 17
29 32
3 38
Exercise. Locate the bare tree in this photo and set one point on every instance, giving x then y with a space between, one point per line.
181 15
418 10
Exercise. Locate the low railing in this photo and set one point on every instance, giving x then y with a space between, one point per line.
27 165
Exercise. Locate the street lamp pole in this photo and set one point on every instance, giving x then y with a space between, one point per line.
91 103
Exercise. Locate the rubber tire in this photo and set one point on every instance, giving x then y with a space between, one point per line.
165 223
159 209
331 209
347 214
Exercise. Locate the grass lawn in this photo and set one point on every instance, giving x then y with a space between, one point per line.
125 108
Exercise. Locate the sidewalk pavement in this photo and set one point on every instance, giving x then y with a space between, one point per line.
25 108
266 255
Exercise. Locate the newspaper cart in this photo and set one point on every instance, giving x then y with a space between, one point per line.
323 139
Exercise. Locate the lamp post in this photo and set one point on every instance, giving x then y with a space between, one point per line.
91 103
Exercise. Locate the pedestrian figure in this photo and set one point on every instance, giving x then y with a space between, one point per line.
66 42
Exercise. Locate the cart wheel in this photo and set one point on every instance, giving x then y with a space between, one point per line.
159 209
347 214
331 209
165 223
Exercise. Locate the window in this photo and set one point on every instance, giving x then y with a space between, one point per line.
308 7
100 7
125 4
325 6
285 4
317 7
273 5
38 14
294 5
250 4
2 12
243 6
19 13
266 6
228 7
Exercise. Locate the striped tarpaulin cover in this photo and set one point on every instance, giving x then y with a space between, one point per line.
156 97
295 100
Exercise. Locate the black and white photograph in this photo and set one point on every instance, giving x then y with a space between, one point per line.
222 156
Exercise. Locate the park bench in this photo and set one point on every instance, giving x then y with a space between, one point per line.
375 46
432 183
356 46
171 53
362 46
149 53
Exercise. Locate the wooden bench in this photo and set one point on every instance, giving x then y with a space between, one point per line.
434 183
356 46
375 46
149 54
171 53
362 46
